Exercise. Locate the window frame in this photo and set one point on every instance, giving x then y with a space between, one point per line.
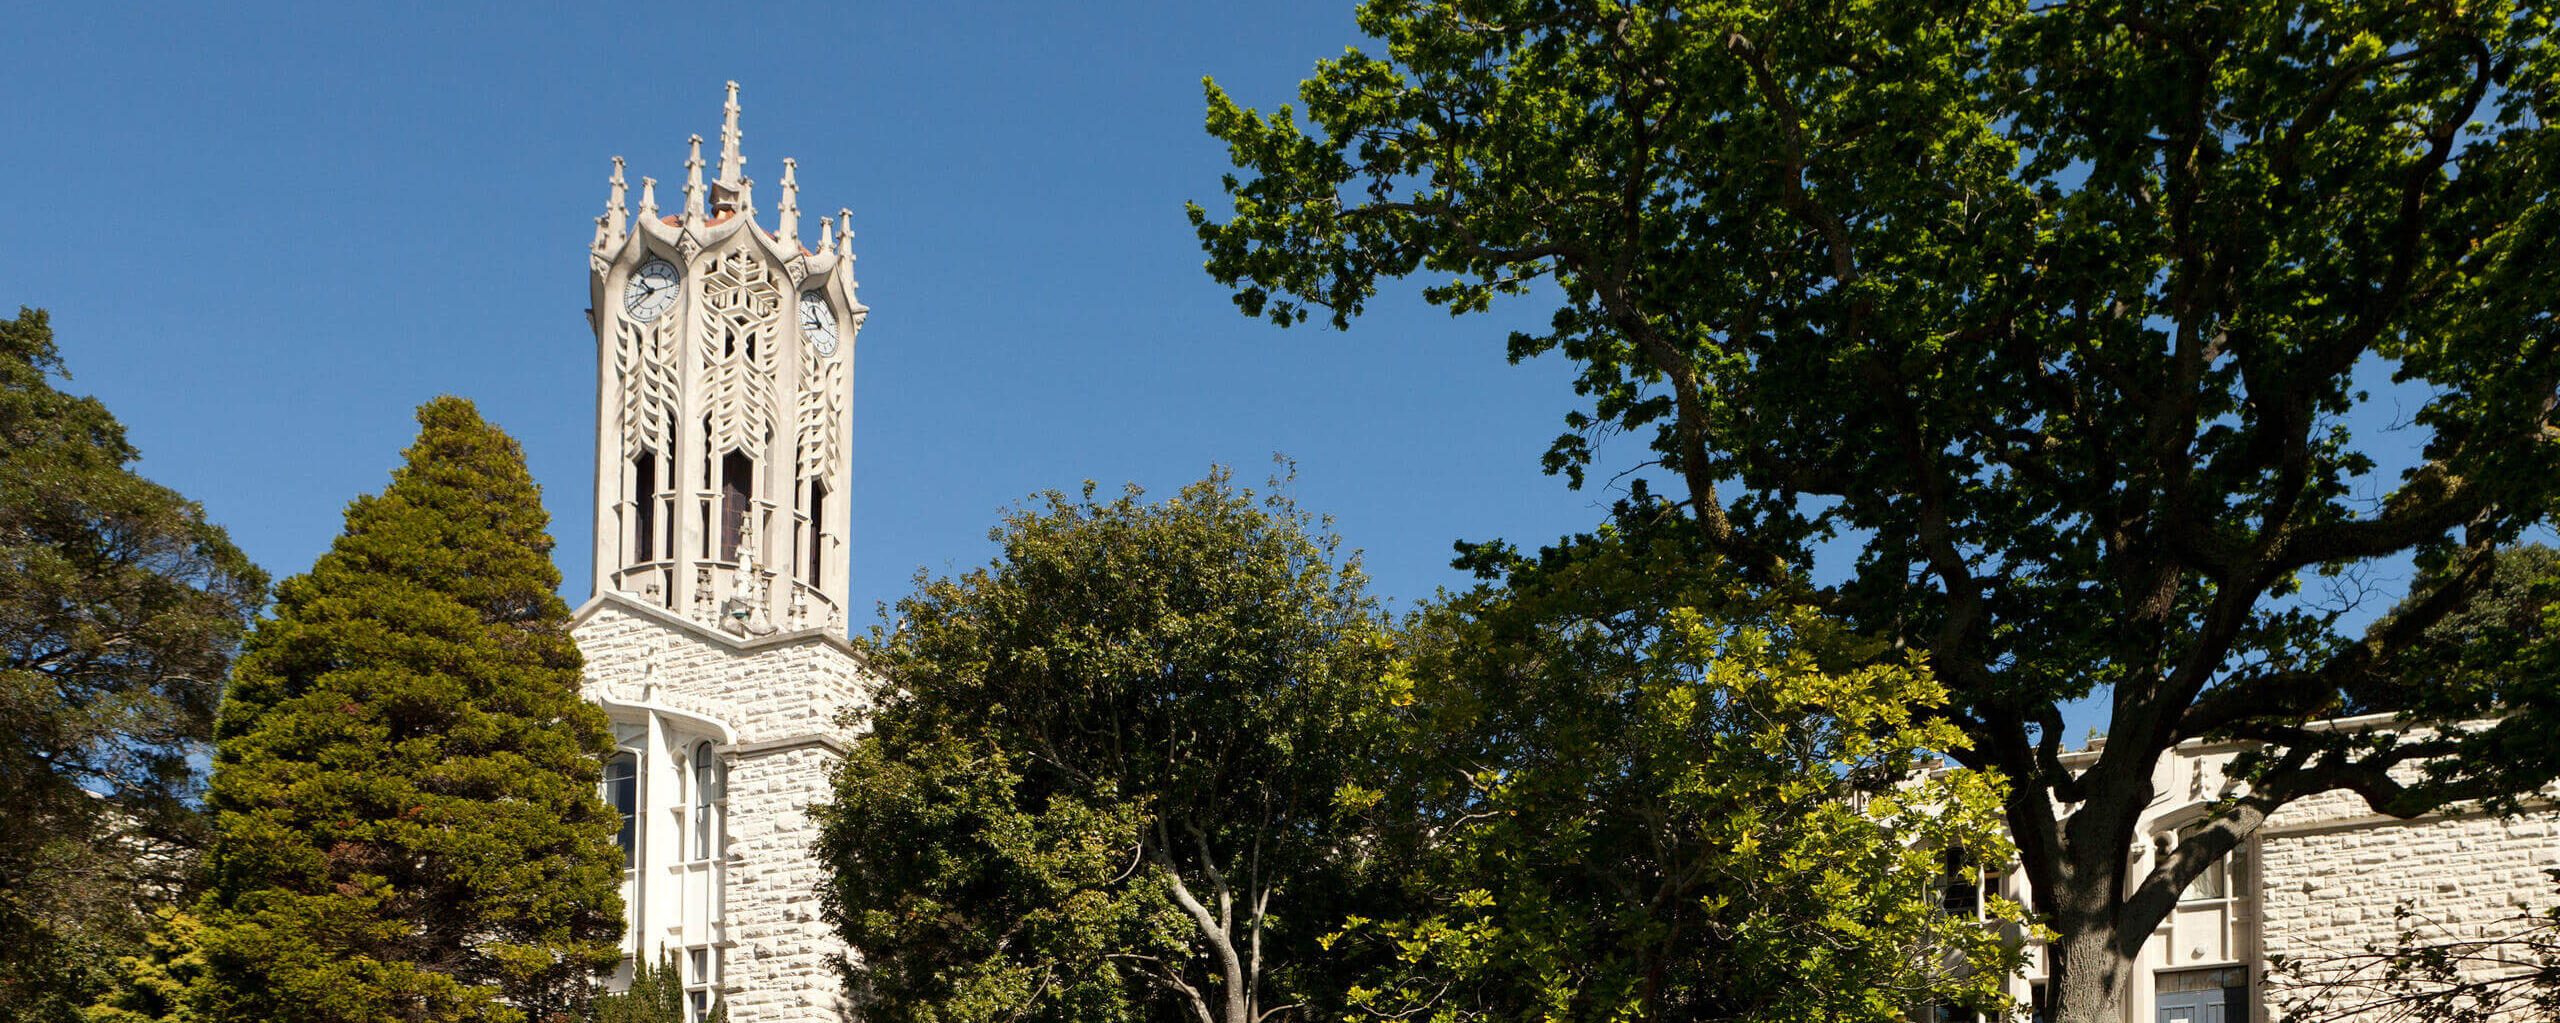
622 793
710 780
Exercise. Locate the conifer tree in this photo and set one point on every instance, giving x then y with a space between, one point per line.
655 995
405 780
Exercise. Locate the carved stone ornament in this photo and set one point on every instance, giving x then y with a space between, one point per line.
798 267
688 246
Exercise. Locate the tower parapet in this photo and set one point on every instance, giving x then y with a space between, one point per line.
724 402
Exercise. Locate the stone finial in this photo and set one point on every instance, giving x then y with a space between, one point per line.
746 197
613 206
693 183
744 612
788 211
649 197
826 235
844 231
731 163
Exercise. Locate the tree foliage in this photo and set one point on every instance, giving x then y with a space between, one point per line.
1100 792
405 784
1622 800
120 607
1164 762
656 995
2054 327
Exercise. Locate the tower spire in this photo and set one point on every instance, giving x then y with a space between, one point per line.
788 211
731 163
613 205
693 183
649 197
844 231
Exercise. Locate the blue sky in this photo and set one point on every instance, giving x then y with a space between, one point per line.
266 234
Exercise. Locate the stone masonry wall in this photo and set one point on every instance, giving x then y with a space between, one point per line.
780 695
2331 874
773 690
778 965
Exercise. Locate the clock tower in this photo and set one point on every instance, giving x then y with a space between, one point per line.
724 400
715 640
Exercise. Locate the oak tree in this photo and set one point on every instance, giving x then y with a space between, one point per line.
2043 336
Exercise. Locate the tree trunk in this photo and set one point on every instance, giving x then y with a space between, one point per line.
2089 966
2087 972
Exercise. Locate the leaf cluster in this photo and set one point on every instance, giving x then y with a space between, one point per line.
1627 791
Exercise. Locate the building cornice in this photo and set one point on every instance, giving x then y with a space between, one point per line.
767 747
699 721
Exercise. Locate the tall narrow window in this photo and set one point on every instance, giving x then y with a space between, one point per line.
737 479
710 506
644 506
706 791
622 792
701 979
817 531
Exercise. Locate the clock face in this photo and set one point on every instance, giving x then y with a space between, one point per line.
650 291
818 322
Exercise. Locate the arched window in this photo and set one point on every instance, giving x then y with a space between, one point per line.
622 792
706 793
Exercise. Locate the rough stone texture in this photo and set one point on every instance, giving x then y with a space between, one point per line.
779 965
2333 874
785 697
775 688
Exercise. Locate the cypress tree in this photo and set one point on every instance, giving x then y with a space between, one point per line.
405 778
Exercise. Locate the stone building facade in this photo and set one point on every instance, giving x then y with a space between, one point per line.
715 639
2323 879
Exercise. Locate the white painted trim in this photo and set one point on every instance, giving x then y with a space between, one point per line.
763 747
702 722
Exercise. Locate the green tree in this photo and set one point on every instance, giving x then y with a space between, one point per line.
120 607
2046 332
158 982
1620 800
656 995
1100 791
405 781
